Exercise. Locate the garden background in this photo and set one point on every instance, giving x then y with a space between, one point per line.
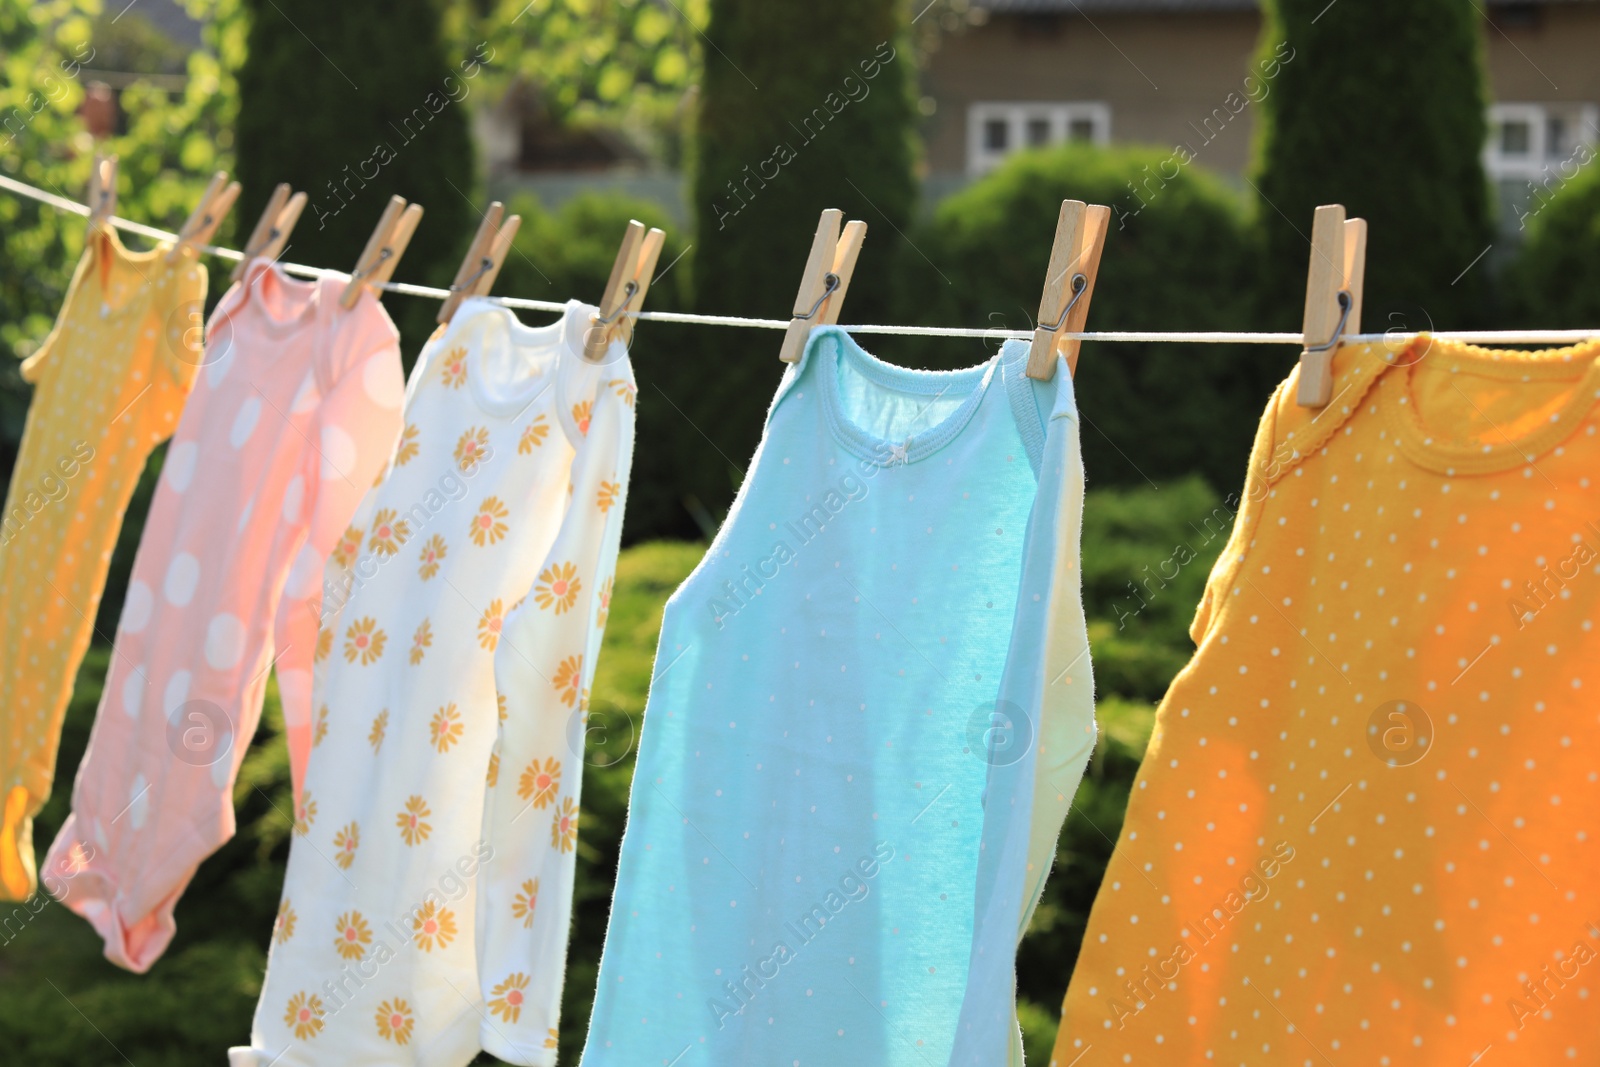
272 97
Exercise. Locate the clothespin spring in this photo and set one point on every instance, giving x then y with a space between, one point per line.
1346 302
830 286
628 293
1080 284
465 285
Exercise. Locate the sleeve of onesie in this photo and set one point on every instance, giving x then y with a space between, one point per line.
543 669
359 421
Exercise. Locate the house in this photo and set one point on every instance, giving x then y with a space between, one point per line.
1025 73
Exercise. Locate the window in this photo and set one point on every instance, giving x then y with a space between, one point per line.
1534 150
995 130
1525 140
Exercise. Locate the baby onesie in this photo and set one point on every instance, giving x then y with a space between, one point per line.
297 410
871 703
109 382
1364 831
490 537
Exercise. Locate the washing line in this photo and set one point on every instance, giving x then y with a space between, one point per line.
1394 337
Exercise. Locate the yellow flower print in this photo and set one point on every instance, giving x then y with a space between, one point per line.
324 644
388 533
604 611
395 1021
377 481
413 823
488 525
344 553
471 448
453 368
321 729
446 728
421 641
623 390
552 1039
490 624
352 935
408 446
568 674
432 552
564 827
558 587
525 901
583 701
506 999
533 436
283 925
380 726
581 413
432 925
364 641
539 783
607 495
492 779
500 705
345 843
305 813
304 1015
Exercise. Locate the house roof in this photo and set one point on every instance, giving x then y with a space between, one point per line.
1132 7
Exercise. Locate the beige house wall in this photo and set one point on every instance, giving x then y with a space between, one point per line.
1163 74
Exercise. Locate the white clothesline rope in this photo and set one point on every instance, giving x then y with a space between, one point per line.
1485 337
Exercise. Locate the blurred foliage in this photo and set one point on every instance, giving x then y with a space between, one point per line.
782 133
169 147
1179 262
354 102
199 998
1554 283
626 62
1380 107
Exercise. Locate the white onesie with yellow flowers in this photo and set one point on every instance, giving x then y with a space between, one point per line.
493 533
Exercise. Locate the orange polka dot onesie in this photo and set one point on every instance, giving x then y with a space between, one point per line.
109 383
1364 831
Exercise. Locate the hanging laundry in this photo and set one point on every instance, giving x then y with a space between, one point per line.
109 383
297 411
1363 830
872 703
504 493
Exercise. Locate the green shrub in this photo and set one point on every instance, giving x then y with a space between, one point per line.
1555 281
353 102
1380 107
1179 262
784 132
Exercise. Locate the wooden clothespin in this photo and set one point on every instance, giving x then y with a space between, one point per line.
1068 287
102 191
485 256
272 229
630 281
214 205
384 249
825 282
1333 298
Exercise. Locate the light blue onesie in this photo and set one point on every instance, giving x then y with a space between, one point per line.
871 706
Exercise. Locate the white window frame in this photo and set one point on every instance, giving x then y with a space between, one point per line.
1538 161
1017 114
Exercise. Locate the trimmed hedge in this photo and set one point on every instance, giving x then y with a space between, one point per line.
368 105
1378 106
1554 283
1181 261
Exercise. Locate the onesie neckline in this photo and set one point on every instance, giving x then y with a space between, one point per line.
1578 364
564 338
929 383
308 295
